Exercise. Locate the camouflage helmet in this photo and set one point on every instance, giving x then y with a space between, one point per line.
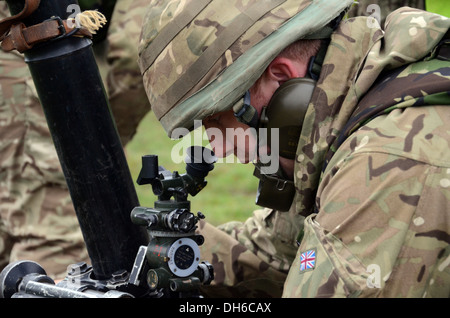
199 57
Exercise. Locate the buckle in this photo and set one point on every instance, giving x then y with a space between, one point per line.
281 184
242 111
245 106
61 27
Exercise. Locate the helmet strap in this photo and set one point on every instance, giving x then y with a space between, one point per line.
246 113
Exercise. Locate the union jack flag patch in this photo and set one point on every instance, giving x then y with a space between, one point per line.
308 260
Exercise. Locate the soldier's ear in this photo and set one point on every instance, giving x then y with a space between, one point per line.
281 69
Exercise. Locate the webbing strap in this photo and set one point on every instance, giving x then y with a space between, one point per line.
15 35
22 39
29 7
168 32
206 61
246 113
316 61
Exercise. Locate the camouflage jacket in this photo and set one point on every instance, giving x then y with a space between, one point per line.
380 228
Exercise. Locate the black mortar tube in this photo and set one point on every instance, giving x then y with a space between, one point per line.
76 107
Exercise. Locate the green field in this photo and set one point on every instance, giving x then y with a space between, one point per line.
230 193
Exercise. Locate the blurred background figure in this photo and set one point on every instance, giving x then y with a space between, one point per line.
37 218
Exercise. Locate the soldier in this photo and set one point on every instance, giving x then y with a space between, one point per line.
37 218
369 172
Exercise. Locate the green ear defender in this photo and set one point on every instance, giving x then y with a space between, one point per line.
286 112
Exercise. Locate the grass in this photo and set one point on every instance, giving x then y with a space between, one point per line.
231 189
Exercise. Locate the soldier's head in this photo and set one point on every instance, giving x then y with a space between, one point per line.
205 59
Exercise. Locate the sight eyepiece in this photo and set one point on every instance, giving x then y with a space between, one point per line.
199 161
149 171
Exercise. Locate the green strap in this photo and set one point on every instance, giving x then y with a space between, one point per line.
432 90
324 34
246 113
315 64
210 56
168 33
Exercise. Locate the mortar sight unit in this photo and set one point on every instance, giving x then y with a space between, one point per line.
168 267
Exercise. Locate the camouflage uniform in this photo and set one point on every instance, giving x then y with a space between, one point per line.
379 230
126 92
383 201
37 218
